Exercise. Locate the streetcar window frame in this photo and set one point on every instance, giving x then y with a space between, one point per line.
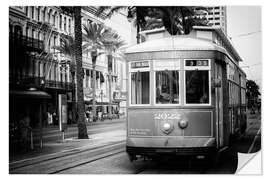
198 68
135 70
157 68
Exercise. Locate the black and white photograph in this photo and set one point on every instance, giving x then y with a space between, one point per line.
134 89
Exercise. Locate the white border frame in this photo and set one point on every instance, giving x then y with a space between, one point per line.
208 68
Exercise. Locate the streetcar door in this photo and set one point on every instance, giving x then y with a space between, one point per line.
219 105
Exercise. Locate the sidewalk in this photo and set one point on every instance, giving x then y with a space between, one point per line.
106 121
57 145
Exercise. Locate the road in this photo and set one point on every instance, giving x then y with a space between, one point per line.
106 155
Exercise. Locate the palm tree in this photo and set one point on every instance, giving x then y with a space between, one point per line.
135 13
113 48
72 48
67 48
82 129
93 36
175 19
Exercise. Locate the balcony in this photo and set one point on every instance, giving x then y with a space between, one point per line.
25 43
38 82
58 85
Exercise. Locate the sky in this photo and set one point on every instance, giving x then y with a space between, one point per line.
245 29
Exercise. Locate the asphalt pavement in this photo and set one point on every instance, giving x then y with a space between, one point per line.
99 133
108 136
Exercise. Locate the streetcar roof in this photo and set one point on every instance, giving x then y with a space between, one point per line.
180 42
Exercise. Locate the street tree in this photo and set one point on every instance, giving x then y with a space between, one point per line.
175 19
113 48
93 35
252 93
76 49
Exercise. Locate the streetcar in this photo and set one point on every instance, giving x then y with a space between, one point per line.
186 94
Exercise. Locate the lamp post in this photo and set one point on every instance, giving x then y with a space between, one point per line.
110 83
101 98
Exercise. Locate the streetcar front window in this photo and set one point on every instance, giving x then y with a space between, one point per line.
167 87
197 87
140 88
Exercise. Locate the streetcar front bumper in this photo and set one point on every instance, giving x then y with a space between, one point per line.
171 145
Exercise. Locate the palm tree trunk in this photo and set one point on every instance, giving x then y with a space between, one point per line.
94 58
82 130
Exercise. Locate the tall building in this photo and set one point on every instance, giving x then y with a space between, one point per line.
217 17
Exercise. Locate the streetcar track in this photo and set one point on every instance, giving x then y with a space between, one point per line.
88 161
69 153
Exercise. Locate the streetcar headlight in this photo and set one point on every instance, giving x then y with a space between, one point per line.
182 124
166 126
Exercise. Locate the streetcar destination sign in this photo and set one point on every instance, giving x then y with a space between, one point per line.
196 62
142 64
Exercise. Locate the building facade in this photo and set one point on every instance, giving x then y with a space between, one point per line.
217 17
37 75
120 24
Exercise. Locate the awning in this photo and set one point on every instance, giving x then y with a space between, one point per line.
30 94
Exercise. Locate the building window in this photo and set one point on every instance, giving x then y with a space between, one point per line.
217 18
54 19
54 41
33 33
38 14
217 23
44 14
26 10
60 22
69 25
216 12
65 24
33 12
210 18
49 16
216 7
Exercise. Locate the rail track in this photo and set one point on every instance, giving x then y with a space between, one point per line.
58 162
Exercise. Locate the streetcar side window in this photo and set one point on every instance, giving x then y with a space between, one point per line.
167 87
140 88
197 87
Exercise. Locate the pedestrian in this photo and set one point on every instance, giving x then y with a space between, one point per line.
25 129
49 118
